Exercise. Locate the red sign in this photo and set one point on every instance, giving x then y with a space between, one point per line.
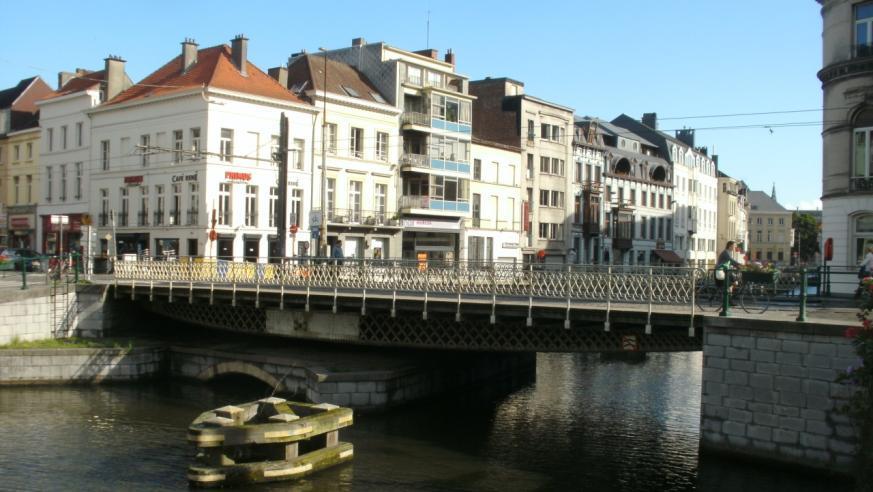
132 180
237 176
19 222
525 211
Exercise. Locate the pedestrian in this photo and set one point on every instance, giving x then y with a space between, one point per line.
337 252
864 271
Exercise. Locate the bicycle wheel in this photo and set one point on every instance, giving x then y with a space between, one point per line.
754 298
708 297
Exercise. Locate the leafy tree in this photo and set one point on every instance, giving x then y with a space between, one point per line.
806 231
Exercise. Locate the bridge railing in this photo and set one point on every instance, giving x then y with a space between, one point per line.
596 283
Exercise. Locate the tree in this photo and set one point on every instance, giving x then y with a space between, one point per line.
806 231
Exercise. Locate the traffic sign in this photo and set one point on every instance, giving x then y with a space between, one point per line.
315 217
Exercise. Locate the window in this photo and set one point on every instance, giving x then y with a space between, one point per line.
104 207
330 198
144 206
64 137
381 200
251 218
195 143
176 205
661 200
274 200
296 203
356 143
299 157
643 227
50 139
758 221
226 148
769 220
758 236
382 146
194 201
633 197
123 215
104 155
331 131
350 91
545 131
16 152
557 167
79 137
530 166
355 200
544 198
643 196
477 169
434 79
224 203
531 133
577 172
781 221
557 199
159 206
144 149
413 75
29 194
63 192
863 29
29 146
178 147
545 165
15 181
863 235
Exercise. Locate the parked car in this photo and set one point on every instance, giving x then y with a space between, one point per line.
10 259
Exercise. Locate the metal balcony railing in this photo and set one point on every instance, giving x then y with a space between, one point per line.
104 219
415 160
360 217
142 218
159 217
414 118
122 219
193 215
175 218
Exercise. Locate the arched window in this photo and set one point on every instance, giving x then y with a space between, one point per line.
623 167
659 174
863 235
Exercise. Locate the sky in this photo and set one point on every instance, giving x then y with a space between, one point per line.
678 58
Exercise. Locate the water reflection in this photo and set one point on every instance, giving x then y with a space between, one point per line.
582 424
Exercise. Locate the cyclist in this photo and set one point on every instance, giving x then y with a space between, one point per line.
725 262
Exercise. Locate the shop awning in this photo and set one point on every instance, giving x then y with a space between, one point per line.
668 256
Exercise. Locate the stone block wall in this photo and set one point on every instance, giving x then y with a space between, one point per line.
41 313
770 392
35 366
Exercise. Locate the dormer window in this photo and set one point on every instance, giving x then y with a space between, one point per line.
350 92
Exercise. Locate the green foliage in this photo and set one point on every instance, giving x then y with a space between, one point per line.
860 379
66 343
806 235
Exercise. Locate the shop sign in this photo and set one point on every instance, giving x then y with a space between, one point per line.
430 224
178 178
237 176
510 245
133 180
19 222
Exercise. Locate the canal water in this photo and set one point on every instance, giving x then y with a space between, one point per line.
582 424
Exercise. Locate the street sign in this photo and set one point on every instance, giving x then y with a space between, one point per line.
315 218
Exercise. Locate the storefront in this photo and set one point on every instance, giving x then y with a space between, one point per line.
21 221
430 239
71 237
166 248
136 243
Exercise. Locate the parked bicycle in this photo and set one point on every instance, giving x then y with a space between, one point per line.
750 290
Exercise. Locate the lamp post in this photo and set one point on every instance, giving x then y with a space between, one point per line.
322 228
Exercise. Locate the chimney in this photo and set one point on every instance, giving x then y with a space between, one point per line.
651 120
686 136
189 54
430 53
715 160
239 47
450 57
113 82
280 74
358 42
64 77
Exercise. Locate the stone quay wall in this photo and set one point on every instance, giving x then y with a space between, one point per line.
53 366
770 392
41 313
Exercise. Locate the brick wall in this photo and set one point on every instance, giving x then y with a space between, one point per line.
771 393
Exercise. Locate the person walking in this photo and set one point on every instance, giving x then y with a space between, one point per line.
337 252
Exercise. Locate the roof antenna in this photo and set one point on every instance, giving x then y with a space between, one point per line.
427 41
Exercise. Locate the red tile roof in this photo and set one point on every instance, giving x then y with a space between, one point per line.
214 68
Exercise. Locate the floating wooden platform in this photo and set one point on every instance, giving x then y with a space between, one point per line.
267 440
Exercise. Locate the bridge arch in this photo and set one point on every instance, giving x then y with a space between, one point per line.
238 367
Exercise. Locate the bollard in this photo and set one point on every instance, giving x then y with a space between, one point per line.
76 268
725 294
23 274
803 288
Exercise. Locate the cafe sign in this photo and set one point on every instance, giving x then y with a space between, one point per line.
133 180
179 178
237 176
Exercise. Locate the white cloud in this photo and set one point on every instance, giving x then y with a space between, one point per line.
805 205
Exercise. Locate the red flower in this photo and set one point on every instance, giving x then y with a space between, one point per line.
851 332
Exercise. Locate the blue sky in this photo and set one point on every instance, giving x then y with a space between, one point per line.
676 58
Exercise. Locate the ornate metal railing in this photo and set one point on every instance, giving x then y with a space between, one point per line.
579 283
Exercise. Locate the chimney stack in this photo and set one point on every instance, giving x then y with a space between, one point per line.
651 120
450 57
358 42
280 74
430 53
686 136
189 54
239 47
113 82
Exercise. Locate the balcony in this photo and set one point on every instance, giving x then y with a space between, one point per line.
592 187
412 203
159 217
192 216
410 162
122 219
860 63
861 184
142 219
351 216
412 118
175 217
